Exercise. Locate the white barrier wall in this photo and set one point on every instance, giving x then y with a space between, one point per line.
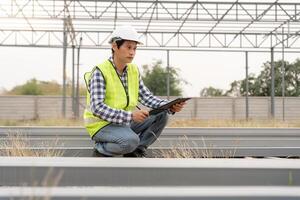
43 107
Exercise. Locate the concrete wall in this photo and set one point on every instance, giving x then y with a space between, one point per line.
43 107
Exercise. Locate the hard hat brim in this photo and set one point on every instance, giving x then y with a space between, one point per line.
114 40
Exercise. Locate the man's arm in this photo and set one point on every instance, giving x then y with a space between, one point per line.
147 98
99 108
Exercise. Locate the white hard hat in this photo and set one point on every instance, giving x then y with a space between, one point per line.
125 33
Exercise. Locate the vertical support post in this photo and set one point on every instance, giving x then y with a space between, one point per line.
247 86
195 113
168 74
36 107
233 107
77 84
272 84
73 80
65 37
283 74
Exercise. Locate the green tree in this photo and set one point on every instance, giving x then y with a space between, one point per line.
36 87
261 85
155 78
29 88
239 87
234 89
211 92
293 79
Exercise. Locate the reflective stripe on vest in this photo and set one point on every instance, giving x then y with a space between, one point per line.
115 95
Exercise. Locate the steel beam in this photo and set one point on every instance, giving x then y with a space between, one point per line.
272 85
194 24
247 86
153 193
80 131
21 171
202 142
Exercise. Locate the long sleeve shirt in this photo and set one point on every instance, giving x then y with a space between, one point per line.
118 116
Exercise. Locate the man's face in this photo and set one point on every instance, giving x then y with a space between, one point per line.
126 52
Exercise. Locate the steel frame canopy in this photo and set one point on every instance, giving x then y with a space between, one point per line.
241 25
169 24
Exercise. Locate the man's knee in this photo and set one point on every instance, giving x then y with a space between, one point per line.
130 144
163 117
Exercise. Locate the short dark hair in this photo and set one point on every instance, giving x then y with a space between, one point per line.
119 43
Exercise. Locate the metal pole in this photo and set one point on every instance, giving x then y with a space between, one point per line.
65 37
73 80
283 81
247 87
168 74
272 84
77 87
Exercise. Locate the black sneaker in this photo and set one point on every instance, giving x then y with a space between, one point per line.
96 153
138 153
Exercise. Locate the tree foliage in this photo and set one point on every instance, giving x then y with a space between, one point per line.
155 78
29 88
36 87
261 85
211 92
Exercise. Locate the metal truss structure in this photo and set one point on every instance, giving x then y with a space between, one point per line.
163 24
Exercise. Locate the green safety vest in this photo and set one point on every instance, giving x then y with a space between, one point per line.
115 96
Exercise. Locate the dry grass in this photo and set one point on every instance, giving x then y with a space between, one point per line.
234 123
50 180
18 144
190 149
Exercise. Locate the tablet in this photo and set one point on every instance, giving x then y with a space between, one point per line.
167 106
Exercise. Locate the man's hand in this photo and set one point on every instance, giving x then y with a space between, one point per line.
139 115
177 107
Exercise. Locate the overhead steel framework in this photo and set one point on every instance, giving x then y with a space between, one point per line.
169 24
241 25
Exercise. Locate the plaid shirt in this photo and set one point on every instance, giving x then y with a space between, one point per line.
118 116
